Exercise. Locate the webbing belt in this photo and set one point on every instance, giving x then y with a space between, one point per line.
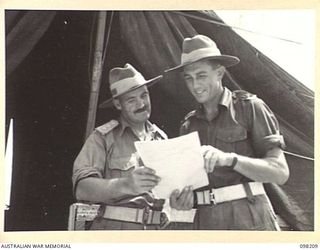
144 216
229 193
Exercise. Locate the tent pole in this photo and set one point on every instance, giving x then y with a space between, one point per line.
96 72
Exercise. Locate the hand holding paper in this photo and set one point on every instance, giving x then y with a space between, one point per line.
178 162
214 158
141 180
182 200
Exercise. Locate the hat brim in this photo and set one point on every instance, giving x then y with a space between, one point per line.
224 60
109 102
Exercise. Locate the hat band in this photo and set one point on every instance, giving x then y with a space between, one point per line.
122 86
198 54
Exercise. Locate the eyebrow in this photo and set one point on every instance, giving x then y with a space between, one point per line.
202 72
129 98
132 97
186 74
198 73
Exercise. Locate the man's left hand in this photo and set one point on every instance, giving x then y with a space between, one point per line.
183 200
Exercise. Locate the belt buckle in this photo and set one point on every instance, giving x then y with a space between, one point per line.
212 198
145 216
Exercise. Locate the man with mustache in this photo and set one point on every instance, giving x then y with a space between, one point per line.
242 145
109 171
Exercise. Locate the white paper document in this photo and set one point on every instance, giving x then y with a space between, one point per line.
178 162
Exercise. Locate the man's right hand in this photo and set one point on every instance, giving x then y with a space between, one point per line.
141 180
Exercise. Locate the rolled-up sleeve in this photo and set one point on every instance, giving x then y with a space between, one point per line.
265 130
91 160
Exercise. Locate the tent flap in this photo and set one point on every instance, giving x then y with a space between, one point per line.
24 35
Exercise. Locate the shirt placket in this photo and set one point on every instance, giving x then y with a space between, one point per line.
211 131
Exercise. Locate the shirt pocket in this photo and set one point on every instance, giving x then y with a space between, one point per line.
232 139
122 165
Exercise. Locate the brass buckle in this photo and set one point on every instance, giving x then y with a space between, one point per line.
212 198
146 214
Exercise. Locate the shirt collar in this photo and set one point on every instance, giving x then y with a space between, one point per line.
124 124
225 101
226 98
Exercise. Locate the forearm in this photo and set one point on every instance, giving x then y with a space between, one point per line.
273 168
102 190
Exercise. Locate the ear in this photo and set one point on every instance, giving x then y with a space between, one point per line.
221 70
117 103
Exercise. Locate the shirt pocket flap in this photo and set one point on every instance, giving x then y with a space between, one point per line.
123 162
232 134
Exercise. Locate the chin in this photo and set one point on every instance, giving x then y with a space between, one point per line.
201 100
143 117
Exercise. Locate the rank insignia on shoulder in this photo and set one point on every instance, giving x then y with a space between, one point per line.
188 116
107 127
243 95
162 134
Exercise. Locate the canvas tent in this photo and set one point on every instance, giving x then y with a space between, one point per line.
58 47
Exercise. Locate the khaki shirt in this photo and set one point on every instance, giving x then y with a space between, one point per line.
109 152
244 125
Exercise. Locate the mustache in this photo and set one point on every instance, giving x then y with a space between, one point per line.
145 108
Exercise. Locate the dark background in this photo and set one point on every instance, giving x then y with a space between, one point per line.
47 96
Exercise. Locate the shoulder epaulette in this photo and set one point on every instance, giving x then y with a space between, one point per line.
107 127
186 120
188 116
243 95
161 132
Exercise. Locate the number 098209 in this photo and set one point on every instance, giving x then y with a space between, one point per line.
309 246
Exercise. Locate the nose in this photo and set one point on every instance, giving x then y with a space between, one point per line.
196 83
140 103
